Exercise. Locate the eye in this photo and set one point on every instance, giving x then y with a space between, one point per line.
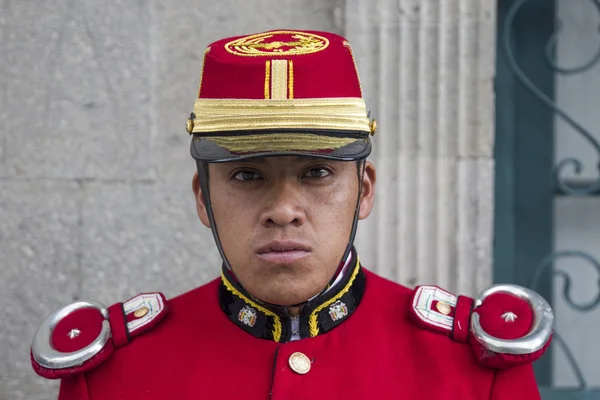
319 172
247 176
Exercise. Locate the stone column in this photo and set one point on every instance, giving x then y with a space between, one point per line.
427 68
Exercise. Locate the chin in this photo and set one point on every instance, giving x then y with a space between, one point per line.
284 286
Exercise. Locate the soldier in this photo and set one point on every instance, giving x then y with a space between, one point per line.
280 135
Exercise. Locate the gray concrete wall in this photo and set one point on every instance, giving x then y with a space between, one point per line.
95 172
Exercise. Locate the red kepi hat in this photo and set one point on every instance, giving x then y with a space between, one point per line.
280 93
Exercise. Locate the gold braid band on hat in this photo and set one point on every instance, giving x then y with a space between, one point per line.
247 123
221 115
279 142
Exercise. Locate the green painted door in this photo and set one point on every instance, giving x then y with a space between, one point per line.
529 180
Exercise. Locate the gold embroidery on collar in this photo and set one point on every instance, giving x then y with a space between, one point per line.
277 325
312 320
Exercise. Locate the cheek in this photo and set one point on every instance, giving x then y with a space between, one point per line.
346 194
233 213
333 208
229 201
341 198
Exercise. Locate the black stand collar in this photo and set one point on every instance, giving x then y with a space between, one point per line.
318 316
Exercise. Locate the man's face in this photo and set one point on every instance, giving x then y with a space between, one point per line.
284 222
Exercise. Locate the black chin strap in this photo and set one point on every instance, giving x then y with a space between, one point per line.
203 179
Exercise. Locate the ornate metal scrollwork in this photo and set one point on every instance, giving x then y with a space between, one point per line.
547 266
551 52
562 165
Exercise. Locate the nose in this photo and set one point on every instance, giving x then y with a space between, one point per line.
283 205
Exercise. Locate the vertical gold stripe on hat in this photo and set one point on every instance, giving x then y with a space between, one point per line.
291 81
268 80
279 79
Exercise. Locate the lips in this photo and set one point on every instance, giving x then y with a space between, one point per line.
283 246
283 251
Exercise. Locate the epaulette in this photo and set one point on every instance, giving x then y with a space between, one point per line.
82 335
506 326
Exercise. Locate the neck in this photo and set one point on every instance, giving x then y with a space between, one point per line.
294 311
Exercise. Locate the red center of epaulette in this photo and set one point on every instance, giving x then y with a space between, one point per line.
495 318
77 330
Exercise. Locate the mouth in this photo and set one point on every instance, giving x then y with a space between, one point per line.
283 251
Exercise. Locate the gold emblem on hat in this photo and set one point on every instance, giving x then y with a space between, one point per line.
264 44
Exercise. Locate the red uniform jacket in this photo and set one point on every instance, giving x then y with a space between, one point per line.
361 341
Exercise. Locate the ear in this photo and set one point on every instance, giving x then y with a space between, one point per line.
200 206
367 195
